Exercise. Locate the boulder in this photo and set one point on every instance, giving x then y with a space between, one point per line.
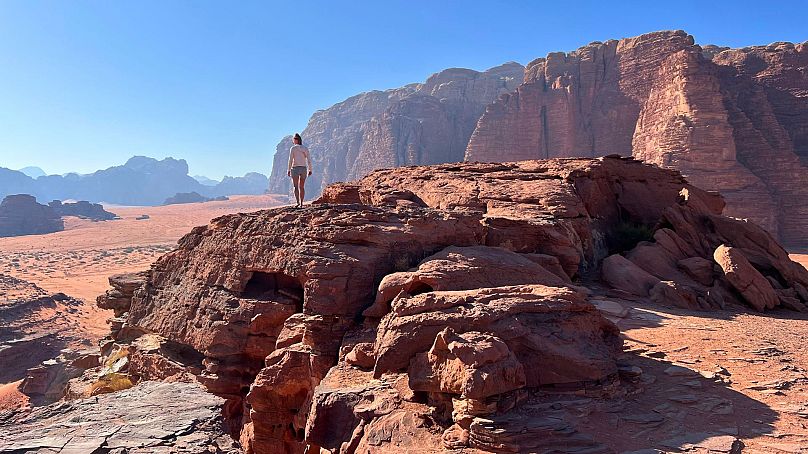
472 365
119 298
755 289
672 293
621 273
698 268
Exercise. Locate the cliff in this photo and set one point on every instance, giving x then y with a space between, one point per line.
731 120
426 123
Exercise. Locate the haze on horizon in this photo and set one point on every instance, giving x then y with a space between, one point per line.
89 84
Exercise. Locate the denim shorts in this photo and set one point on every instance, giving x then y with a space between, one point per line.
299 171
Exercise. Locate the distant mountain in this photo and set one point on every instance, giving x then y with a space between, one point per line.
205 180
251 183
15 182
140 181
33 172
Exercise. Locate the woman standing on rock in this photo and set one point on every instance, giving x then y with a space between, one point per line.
299 167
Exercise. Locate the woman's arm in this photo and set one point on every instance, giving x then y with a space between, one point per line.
308 160
289 167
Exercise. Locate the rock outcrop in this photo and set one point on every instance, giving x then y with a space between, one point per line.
731 120
190 197
21 215
82 209
119 298
426 123
421 307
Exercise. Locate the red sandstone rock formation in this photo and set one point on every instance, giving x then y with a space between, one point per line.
731 120
699 259
422 307
426 123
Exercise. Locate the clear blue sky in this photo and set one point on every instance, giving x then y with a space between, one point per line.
87 84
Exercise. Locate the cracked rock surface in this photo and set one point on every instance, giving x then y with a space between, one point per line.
152 417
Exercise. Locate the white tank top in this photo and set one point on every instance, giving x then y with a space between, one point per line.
298 156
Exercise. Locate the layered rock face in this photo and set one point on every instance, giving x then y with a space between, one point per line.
22 215
732 120
426 123
414 308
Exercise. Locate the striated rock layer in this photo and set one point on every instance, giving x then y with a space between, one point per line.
425 123
732 120
419 307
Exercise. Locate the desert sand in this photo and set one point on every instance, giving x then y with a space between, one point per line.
801 258
78 260
761 387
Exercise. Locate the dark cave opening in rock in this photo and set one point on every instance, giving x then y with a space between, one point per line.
420 287
626 235
266 286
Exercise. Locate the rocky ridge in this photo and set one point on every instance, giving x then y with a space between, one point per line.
372 319
82 209
731 120
418 124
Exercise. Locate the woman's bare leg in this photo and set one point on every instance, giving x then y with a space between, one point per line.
302 188
297 190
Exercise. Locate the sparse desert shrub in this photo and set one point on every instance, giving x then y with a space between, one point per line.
109 384
402 263
626 235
